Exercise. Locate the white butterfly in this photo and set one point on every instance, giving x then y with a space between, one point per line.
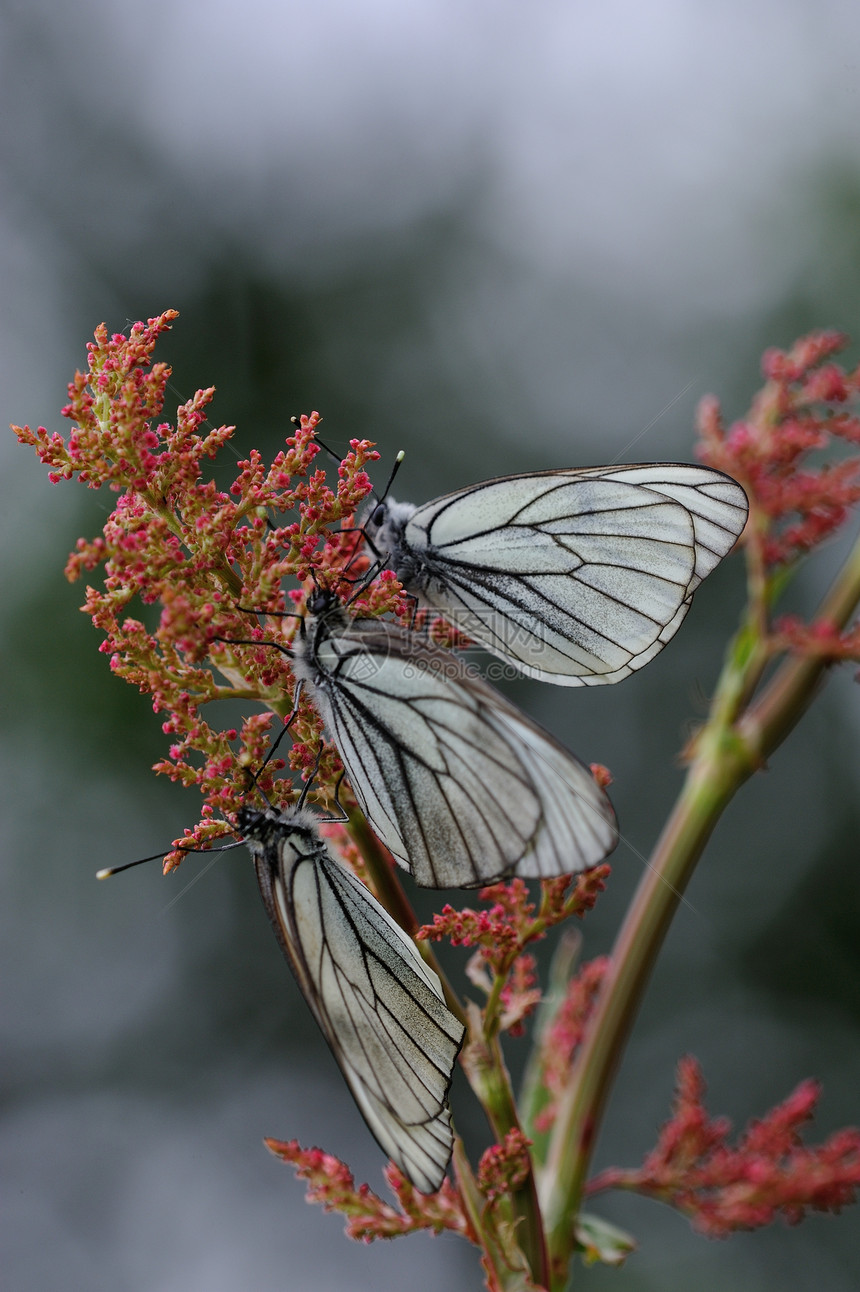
576 577
380 1007
460 785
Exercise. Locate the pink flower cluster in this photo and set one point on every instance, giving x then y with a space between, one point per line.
513 920
769 1172
803 408
502 933
207 556
504 1167
821 638
332 1185
563 1036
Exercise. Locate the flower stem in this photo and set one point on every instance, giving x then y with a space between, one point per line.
488 1076
503 1275
727 752
772 716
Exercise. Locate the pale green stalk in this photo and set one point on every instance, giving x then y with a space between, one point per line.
735 742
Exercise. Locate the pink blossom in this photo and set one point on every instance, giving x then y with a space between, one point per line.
769 1172
504 1166
806 407
563 1035
331 1184
175 539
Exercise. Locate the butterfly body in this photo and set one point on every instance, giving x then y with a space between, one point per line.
460 785
577 577
379 1006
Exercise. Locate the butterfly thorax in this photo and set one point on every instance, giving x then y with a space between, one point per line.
414 569
323 642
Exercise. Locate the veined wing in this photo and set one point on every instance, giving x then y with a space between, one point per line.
379 1006
460 785
578 577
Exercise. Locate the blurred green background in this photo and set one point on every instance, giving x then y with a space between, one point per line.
500 237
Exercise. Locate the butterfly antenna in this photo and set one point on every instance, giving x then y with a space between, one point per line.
360 530
251 784
261 610
297 421
335 457
400 456
244 641
297 696
366 580
158 856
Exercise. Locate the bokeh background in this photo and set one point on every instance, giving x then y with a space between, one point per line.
499 236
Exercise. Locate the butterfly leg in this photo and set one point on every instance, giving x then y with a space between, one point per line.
297 696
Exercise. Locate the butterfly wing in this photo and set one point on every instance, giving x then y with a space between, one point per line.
379 1006
576 577
460 785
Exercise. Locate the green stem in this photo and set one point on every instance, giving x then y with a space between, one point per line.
726 754
793 688
503 1273
534 1096
492 1009
709 786
488 1076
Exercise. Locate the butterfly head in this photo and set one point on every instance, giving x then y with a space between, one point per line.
385 524
251 822
265 826
323 603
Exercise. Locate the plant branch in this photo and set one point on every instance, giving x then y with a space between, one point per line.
793 687
502 1274
488 1076
726 754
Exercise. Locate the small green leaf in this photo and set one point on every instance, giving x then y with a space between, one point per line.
600 1241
